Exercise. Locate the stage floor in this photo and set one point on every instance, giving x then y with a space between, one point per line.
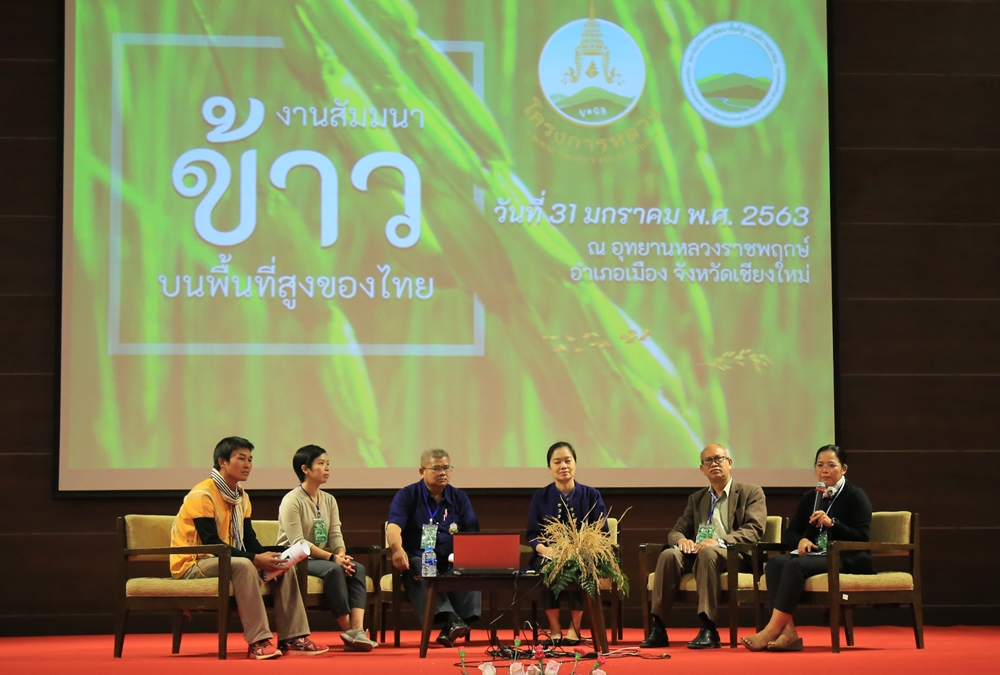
887 649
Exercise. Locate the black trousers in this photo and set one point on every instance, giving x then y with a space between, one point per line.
468 605
343 593
786 577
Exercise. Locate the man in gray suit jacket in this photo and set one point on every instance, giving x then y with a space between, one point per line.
724 513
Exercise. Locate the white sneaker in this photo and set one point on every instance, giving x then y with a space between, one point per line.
356 640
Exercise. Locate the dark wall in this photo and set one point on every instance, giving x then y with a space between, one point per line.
916 90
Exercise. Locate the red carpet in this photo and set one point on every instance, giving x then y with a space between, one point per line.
882 650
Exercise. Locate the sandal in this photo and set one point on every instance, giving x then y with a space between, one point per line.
786 643
756 643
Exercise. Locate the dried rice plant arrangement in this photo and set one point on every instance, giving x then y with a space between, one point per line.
582 555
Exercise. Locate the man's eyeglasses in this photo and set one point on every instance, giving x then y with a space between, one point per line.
439 469
718 459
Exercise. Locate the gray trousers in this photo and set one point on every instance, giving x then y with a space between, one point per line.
289 612
468 605
342 593
707 564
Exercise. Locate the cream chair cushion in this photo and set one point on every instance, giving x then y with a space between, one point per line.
180 588
687 583
883 581
148 532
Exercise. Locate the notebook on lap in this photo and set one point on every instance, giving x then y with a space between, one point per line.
487 553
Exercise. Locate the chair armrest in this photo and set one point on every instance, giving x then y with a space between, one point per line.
742 548
275 549
870 546
770 547
363 550
210 549
649 549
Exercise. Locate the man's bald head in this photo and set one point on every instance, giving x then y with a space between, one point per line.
716 464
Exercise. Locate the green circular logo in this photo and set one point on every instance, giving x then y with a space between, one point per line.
592 72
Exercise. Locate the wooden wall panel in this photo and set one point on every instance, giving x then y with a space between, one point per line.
30 177
916 111
29 255
911 412
29 333
916 186
942 37
28 418
919 336
36 110
907 260
32 30
916 153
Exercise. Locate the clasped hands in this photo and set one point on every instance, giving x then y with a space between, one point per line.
819 519
688 546
345 561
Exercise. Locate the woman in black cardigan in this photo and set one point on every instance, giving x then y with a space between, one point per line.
843 514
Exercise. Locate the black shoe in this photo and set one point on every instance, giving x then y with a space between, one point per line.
657 638
569 642
707 639
451 633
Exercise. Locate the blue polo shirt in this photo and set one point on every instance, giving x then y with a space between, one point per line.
413 507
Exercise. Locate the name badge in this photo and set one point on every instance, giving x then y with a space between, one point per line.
823 541
319 531
705 531
428 536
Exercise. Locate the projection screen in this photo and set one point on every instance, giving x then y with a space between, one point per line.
384 226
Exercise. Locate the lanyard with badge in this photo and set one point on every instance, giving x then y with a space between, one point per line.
823 538
320 533
429 532
707 529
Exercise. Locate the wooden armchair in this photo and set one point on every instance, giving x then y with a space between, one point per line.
893 533
311 587
740 588
147 539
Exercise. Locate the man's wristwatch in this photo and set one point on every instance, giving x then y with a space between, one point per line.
833 522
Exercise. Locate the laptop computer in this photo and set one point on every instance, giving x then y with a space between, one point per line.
487 553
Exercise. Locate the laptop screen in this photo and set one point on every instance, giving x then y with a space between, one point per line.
487 550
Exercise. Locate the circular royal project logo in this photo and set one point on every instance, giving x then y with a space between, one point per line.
592 72
733 74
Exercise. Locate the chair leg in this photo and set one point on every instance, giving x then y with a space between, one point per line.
918 621
375 620
621 619
534 621
223 630
178 628
849 625
734 621
382 621
395 624
645 619
614 617
121 618
835 626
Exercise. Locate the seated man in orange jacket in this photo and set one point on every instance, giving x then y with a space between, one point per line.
217 511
